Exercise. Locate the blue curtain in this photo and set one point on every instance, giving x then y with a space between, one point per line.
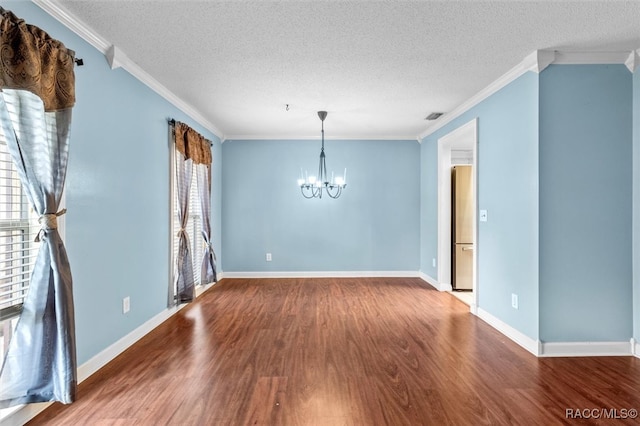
37 93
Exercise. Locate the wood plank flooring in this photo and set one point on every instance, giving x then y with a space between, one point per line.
372 351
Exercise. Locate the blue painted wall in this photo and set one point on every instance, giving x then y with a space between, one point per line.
429 205
585 203
636 205
373 226
117 194
508 190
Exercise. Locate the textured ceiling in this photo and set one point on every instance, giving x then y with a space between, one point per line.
378 67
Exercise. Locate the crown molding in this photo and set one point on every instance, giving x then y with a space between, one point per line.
590 58
537 61
115 57
314 138
73 23
633 61
118 59
543 58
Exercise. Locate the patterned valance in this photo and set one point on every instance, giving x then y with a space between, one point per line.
192 144
31 60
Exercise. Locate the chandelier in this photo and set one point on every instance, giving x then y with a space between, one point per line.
312 186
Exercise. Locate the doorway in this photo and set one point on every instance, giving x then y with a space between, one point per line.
458 146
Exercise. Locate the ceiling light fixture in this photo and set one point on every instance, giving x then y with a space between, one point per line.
312 186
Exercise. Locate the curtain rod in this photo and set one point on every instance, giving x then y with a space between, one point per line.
79 62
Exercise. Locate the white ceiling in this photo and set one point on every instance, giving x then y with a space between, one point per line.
378 67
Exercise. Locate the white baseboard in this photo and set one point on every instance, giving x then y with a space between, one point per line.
434 283
18 416
322 274
473 308
576 349
521 339
429 280
112 351
635 347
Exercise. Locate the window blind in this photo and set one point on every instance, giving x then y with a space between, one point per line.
18 229
18 250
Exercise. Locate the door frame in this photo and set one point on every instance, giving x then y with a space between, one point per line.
465 134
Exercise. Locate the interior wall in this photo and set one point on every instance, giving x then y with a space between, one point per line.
585 203
429 207
508 190
636 205
373 226
117 194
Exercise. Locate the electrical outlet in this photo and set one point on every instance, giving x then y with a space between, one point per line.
514 301
268 257
433 262
126 305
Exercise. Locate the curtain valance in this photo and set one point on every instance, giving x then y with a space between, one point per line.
31 60
192 144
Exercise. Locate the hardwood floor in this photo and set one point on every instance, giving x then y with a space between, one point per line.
373 351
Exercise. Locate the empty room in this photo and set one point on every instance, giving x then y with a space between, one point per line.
241 212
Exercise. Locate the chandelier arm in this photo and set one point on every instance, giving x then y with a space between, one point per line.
336 194
304 194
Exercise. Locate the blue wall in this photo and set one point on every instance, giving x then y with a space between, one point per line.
117 194
585 203
373 226
429 205
636 205
508 190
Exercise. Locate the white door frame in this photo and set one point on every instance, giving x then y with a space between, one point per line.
465 134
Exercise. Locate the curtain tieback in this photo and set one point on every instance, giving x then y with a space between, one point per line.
47 222
181 231
209 245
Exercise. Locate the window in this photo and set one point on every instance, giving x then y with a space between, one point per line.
18 229
193 228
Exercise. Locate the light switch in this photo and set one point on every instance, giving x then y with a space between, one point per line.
483 215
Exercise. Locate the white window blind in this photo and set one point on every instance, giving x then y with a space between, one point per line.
193 228
18 251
